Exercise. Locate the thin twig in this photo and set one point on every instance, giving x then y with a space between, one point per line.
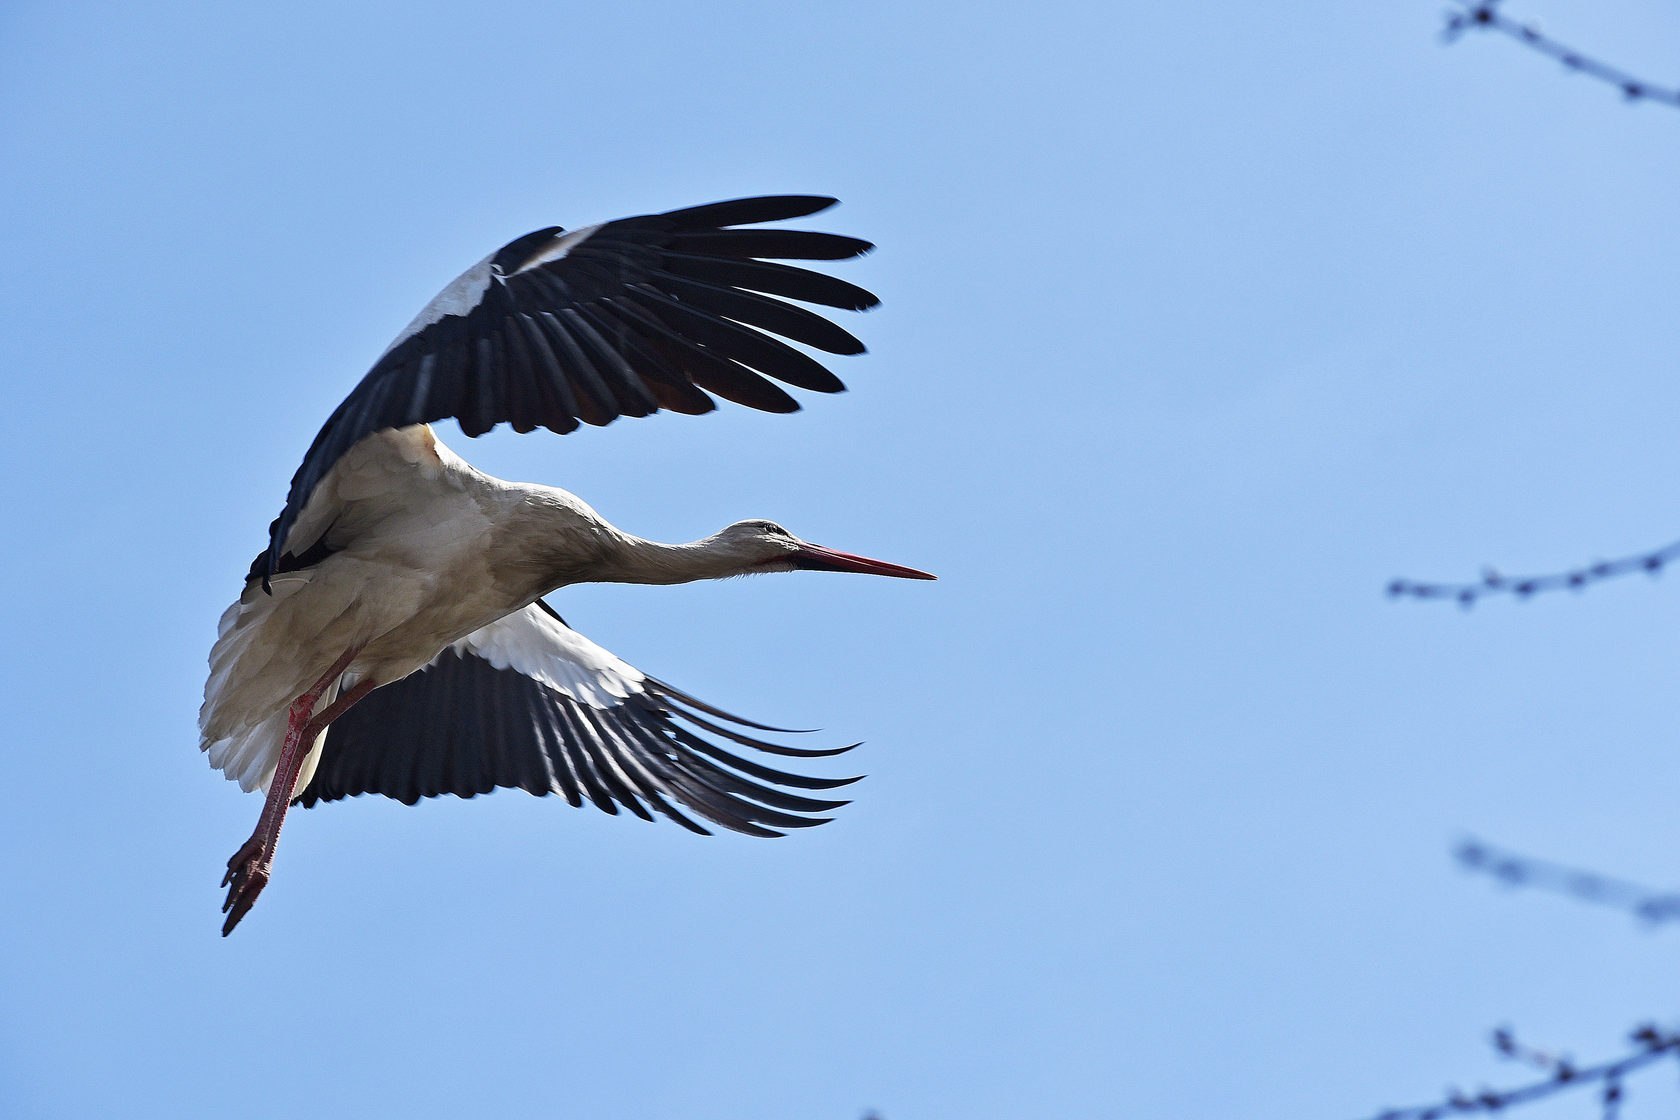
1497 583
1484 15
1650 906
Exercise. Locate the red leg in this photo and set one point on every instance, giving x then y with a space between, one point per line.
344 703
247 872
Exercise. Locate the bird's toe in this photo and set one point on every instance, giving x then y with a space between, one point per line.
247 875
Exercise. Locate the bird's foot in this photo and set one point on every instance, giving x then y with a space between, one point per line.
247 875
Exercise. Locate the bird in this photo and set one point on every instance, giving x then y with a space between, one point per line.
394 636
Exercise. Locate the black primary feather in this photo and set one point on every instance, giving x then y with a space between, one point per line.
463 726
634 316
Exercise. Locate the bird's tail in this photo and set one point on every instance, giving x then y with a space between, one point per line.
257 668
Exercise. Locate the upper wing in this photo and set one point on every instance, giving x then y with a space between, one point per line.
619 319
529 703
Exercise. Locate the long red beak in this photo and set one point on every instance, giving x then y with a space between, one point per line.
816 558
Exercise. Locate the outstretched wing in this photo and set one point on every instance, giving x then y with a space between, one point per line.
619 319
529 703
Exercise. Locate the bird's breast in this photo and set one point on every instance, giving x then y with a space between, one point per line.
427 583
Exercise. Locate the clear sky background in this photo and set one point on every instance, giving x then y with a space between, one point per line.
1200 323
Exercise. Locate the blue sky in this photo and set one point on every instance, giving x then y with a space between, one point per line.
1200 323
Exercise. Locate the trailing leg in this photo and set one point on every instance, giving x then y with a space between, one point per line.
248 869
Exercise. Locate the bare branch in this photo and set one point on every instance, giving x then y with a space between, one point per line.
1484 15
1494 582
1650 1044
1650 906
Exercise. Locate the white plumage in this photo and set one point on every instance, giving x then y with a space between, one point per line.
541 647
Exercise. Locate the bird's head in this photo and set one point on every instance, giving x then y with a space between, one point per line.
764 546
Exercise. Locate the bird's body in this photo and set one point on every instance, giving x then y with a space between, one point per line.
420 558
393 640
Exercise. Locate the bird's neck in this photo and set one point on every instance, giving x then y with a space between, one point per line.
557 540
636 560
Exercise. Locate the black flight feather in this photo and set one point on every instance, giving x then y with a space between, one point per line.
465 726
540 333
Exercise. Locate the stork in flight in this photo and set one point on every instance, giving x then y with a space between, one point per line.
393 637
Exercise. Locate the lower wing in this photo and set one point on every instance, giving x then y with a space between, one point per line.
529 703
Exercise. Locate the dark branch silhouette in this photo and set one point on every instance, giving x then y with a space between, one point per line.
1484 15
1497 583
1649 1043
1650 906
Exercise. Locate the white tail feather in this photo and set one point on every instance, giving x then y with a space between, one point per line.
257 669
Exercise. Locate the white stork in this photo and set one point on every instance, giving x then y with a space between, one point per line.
393 639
